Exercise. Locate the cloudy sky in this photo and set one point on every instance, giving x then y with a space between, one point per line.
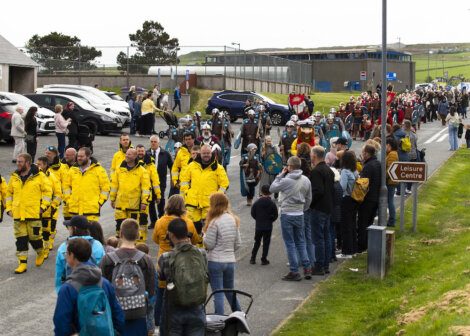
252 23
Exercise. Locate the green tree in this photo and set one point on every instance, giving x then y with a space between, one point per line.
154 46
59 52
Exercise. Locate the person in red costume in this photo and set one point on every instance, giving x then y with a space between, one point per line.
305 134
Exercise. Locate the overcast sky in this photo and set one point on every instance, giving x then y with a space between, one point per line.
252 23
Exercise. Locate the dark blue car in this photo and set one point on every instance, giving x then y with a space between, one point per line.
234 103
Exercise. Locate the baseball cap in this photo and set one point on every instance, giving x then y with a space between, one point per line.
179 228
52 149
342 141
80 222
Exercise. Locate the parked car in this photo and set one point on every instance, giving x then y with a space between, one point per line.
114 96
99 103
234 103
44 116
116 104
102 122
5 119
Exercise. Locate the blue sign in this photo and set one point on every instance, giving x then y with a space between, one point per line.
391 76
187 75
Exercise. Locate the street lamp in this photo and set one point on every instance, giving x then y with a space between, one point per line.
176 67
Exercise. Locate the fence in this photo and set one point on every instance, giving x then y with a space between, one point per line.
235 65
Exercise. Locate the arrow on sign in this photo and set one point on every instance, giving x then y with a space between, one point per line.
408 171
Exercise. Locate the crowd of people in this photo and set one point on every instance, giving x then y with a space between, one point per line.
326 195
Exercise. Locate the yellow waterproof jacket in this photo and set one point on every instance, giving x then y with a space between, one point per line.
181 161
118 157
85 193
60 170
3 196
130 187
53 211
198 183
26 199
148 162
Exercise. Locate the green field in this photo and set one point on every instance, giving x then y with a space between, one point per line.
426 292
457 64
323 100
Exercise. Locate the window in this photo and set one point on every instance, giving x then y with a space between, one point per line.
61 101
42 100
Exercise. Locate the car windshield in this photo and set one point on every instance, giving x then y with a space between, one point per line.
21 100
82 103
84 95
115 96
266 99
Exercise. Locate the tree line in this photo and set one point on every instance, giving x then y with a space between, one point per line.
59 52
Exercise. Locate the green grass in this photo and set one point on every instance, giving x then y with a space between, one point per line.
323 100
456 64
431 273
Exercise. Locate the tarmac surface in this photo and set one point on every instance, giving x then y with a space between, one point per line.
28 300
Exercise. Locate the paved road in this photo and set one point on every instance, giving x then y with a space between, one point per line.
28 300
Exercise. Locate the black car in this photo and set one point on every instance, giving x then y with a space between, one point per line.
234 103
99 121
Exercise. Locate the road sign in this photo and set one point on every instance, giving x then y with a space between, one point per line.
187 75
391 76
363 75
408 171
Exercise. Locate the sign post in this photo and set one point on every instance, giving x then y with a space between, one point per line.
363 75
405 172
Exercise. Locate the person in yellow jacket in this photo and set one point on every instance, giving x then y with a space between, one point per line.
120 155
29 195
86 187
3 196
182 158
50 216
203 177
130 191
60 171
174 209
148 162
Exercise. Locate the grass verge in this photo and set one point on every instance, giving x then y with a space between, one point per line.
426 292
323 100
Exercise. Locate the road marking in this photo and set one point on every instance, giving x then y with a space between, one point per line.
442 137
7 280
435 136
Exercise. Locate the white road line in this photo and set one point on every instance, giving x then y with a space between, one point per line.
435 136
442 137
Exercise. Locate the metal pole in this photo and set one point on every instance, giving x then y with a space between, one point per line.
244 71
429 52
415 205
79 67
253 72
176 69
383 186
225 68
402 206
127 68
235 70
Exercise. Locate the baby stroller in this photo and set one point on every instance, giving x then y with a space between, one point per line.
171 121
86 136
228 325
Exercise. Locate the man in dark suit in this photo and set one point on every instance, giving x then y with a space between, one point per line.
164 162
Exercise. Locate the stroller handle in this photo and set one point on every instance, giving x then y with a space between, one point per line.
234 298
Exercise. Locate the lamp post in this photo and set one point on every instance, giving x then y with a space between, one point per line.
176 67
429 54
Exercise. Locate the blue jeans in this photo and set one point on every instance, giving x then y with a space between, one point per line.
60 144
294 239
308 237
321 239
222 276
453 139
391 205
186 321
159 293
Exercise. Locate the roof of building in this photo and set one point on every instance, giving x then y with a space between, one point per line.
328 51
10 55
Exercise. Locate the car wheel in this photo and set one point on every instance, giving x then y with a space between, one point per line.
276 118
94 128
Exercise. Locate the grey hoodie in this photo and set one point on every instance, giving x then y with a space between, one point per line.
295 191
85 274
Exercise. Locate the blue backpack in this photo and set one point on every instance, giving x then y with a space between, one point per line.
94 312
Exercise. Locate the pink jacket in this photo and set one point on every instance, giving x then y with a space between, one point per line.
60 123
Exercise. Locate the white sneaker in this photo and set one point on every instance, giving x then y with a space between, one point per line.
344 256
408 191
